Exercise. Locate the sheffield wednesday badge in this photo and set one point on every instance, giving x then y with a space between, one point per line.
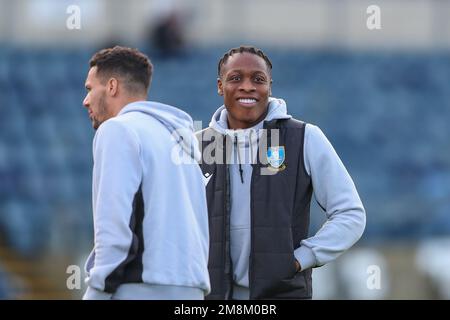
275 157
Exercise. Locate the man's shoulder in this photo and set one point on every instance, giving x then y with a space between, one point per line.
288 123
115 124
116 130
295 123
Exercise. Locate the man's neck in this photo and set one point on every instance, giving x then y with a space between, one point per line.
238 125
127 101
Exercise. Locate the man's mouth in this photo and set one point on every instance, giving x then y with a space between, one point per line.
247 101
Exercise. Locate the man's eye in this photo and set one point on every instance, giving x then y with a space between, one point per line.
235 78
259 79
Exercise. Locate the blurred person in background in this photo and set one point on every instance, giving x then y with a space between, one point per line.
259 208
166 31
150 214
168 37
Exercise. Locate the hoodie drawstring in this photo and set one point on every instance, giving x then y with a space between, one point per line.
241 172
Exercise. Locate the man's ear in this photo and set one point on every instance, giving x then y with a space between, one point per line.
112 87
219 87
270 88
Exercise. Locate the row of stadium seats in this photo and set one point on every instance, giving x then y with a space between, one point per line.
385 113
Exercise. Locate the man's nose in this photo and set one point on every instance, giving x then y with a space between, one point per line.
86 102
247 85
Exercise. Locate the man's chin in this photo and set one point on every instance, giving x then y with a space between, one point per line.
252 118
250 111
95 124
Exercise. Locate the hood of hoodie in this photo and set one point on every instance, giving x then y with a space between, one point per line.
178 122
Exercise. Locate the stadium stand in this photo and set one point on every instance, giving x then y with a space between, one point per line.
385 113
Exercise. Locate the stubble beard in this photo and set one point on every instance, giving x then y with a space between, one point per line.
102 113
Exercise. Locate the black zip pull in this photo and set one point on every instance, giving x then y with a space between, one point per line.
241 172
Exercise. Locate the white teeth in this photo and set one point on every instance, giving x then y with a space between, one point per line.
247 100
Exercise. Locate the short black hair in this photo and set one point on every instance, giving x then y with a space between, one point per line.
130 64
241 49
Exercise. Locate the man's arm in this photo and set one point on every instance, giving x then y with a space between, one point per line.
336 193
117 177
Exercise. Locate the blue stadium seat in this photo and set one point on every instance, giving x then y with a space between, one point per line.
385 113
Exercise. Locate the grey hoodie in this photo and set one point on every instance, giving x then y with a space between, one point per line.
167 236
333 189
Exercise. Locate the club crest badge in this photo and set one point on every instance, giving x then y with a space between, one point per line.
275 157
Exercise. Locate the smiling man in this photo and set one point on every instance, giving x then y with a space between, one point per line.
258 206
150 215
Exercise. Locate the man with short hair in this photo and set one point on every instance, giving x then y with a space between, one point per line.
262 168
150 214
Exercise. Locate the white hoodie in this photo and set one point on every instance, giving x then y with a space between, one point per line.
134 152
